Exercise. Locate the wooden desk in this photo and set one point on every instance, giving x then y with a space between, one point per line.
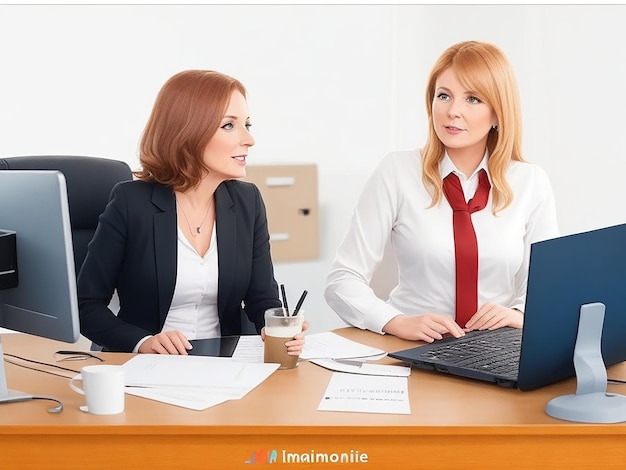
454 423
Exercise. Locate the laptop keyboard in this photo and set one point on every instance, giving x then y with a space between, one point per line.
495 351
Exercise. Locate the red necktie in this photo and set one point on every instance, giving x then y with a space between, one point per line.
465 244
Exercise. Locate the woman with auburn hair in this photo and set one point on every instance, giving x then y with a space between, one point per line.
460 268
186 245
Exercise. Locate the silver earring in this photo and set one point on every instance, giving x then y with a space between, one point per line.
495 128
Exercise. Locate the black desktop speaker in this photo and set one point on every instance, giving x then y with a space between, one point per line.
8 259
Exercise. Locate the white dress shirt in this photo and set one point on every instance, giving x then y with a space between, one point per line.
394 204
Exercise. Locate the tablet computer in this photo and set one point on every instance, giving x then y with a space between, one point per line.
218 347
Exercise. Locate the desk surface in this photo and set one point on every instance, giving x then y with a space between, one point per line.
450 416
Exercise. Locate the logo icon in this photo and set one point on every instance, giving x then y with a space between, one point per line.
263 456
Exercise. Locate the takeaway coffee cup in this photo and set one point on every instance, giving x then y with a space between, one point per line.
279 329
103 387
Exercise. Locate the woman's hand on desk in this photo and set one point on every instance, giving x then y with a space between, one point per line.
294 347
492 316
168 342
428 327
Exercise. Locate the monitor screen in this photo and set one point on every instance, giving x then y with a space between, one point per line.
564 274
34 205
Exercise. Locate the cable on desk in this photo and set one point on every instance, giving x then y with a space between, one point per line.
56 409
59 407
40 363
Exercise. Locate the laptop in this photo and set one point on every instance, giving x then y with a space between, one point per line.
492 356
564 274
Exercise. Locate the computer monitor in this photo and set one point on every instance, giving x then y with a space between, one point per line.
576 315
34 205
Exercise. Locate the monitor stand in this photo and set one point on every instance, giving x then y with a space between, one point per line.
591 403
6 395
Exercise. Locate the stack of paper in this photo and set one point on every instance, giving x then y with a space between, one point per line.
196 382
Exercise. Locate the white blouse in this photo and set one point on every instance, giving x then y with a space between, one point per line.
394 203
193 310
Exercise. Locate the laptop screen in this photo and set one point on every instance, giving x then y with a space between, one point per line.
566 273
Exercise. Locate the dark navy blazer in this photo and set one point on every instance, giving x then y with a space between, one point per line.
134 250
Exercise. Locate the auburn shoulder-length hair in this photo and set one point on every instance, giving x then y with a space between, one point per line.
484 69
186 114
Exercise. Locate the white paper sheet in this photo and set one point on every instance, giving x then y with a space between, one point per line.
194 399
249 349
364 368
366 394
331 345
195 382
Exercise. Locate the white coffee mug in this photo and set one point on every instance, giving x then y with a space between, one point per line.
103 387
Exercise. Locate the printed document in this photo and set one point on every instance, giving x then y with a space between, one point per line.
366 394
249 349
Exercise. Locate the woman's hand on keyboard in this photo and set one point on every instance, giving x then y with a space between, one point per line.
493 316
428 327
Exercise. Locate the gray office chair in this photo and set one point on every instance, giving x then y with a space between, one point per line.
89 183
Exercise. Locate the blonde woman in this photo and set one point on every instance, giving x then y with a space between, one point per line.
459 269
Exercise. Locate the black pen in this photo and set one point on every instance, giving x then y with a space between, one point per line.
285 306
299 304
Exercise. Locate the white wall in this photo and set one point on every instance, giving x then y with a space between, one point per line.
338 86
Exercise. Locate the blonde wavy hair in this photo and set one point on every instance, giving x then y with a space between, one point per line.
484 69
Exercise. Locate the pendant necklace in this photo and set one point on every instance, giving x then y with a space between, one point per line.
198 229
